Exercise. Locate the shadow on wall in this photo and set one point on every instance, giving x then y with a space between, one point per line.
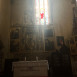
1 45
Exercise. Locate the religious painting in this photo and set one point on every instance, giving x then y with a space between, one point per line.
14 45
59 38
29 44
29 38
14 33
49 45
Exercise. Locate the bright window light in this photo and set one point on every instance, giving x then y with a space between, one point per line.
41 12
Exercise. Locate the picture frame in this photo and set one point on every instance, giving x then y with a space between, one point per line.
14 45
14 33
49 45
29 35
59 38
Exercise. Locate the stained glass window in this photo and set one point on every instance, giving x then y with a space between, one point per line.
41 12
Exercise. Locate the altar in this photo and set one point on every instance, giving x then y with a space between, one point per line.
30 68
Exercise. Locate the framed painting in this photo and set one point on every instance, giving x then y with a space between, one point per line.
14 45
49 45
14 33
29 37
59 38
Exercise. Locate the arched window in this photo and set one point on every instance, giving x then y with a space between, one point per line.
41 12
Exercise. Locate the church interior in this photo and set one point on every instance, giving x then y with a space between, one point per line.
38 38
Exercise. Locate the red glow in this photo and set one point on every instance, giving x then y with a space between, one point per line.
42 15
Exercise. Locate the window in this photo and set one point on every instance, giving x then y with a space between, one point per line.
41 12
